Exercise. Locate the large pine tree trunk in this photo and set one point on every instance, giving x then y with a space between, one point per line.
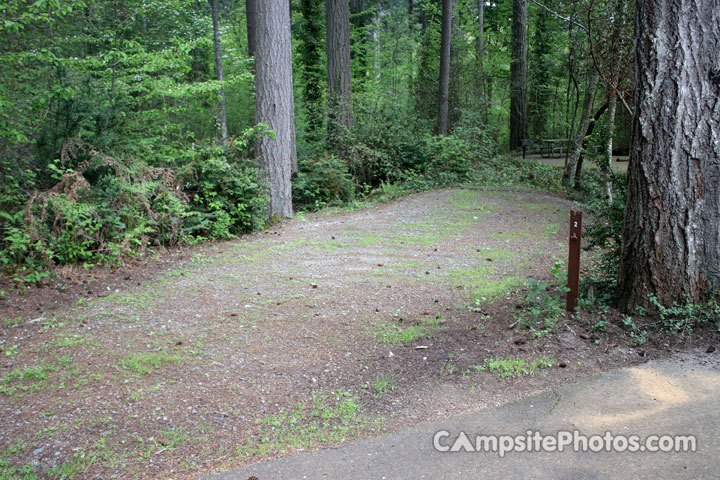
274 102
444 94
340 109
671 236
571 166
219 69
518 75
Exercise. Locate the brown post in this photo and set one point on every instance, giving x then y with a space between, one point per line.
574 260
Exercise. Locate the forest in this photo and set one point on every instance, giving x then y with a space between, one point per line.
233 231
128 125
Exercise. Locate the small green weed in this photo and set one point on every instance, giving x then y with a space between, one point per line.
321 421
383 385
394 335
142 363
12 321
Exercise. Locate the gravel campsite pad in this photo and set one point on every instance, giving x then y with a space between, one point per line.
333 326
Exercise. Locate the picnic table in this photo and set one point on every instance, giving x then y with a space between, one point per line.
552 147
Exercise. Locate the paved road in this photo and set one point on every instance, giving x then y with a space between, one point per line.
676 396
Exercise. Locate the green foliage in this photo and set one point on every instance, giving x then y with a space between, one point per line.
325 419
226 192
509 368
545 307
322 181
604 232
683 317
394 335
107 122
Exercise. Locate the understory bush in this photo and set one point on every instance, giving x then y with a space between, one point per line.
322 181
604 233
102 209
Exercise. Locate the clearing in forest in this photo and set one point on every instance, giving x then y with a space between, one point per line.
333 326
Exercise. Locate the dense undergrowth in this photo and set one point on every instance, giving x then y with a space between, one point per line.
99 209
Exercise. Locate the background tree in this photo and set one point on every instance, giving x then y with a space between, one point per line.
274 102
671 235
359 19
572 165
479 59
251 21
219 70
311 52
340 108
444 93
518 76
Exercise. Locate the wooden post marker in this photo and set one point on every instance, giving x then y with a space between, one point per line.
574 260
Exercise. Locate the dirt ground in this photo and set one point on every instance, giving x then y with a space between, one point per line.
330 327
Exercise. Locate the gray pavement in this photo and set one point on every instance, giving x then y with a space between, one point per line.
675 396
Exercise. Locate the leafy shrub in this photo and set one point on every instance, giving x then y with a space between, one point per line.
101 209
605 232
322 181
226 192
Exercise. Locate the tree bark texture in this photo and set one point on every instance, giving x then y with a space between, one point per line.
444 92
274 102
219 69
518 75
671 235
340 109
569 174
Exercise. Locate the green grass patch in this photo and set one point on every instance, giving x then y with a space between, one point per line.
513 367
393 334
511 235
12 321
71 340
381 386
142 363
26 379
323 420
10 472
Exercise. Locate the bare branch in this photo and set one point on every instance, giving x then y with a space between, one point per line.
556 14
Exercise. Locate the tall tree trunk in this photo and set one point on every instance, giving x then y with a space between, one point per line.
588 133
455 68
274 102
444 94
251 15
518 76
359 19
219 69
607 167
340 109
671 235
199 71
571 166
542 52
479 62
311 47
